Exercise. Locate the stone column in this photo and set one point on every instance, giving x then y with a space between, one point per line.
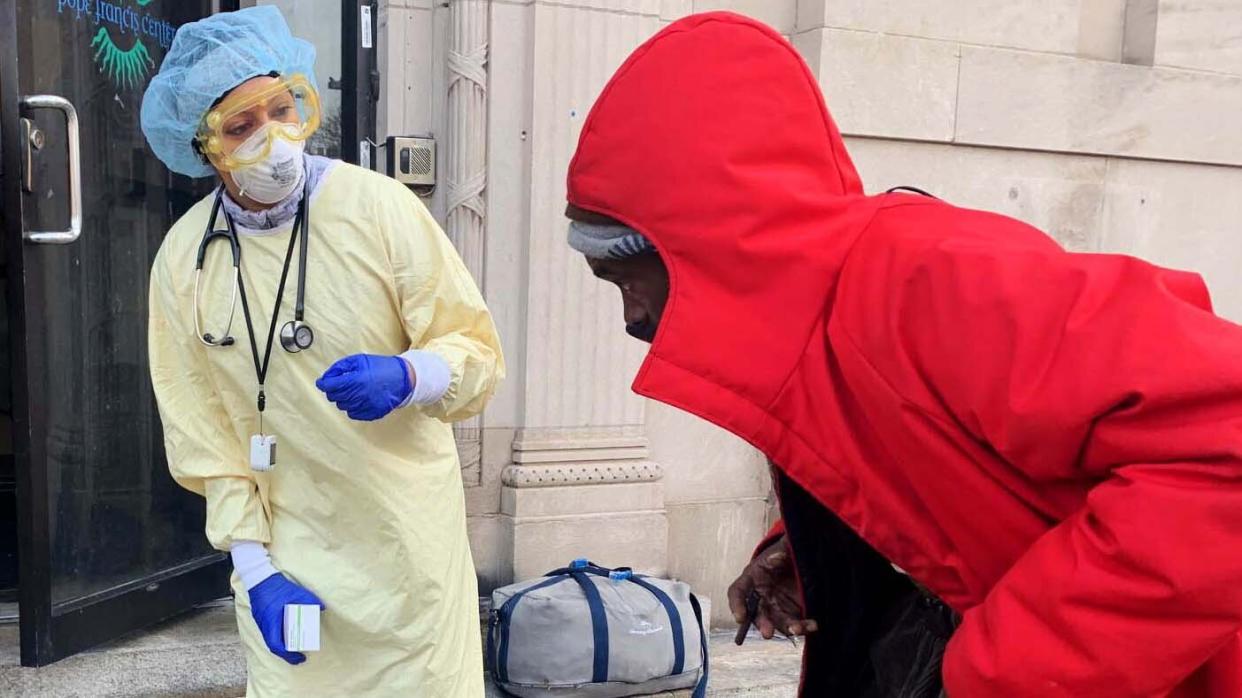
580 482
434 59
465 166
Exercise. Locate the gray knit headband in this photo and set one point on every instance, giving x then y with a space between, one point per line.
607 241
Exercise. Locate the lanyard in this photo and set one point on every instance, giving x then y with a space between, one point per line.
260 367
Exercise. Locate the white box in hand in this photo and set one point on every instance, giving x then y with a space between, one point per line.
302 627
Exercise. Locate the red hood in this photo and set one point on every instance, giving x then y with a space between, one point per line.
713 140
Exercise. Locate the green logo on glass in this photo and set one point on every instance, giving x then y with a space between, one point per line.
126 68
120 24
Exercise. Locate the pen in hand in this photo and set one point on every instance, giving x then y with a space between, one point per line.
752 610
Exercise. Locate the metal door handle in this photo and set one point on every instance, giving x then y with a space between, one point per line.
62 237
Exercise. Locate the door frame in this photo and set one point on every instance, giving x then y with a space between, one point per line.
360 81
15 290
52 631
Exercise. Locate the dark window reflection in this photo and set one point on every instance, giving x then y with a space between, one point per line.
115 513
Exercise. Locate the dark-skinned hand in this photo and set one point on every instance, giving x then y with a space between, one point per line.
771 576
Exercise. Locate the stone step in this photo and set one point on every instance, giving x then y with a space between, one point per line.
198 655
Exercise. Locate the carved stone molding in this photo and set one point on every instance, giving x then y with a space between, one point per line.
570 474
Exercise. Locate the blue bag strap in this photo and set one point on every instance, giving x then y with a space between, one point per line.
491 639
674 620
700 691
582 565
599 627
502 618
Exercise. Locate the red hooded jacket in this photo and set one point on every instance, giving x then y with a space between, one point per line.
1050 442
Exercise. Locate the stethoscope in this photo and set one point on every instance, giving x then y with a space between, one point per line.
295 335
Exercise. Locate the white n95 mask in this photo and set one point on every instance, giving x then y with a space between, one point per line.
276 176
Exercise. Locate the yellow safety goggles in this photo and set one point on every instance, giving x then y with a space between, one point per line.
291 101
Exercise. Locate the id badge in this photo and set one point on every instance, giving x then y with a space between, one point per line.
262 452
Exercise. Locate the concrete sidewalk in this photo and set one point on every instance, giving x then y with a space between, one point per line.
199 656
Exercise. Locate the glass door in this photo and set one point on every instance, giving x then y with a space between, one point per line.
107 541
343 33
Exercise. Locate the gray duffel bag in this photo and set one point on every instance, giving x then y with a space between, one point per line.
589 631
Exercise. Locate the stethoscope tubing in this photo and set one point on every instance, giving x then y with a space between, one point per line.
230 233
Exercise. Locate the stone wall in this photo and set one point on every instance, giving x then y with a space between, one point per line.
1107 123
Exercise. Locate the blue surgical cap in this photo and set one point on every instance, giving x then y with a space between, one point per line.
206 60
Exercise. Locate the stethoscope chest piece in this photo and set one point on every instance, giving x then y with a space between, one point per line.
296 336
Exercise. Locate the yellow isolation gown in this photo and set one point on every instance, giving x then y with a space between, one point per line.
370 516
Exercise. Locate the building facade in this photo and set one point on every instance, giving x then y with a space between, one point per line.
1110 124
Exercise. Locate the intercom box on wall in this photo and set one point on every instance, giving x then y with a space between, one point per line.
411 160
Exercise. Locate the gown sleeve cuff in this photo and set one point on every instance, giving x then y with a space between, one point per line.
252 563
235 512
432 377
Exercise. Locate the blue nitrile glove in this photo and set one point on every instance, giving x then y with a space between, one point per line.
267 605
367 387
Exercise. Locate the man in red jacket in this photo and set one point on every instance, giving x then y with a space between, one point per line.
973 432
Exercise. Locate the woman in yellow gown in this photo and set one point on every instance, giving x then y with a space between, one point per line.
363 510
